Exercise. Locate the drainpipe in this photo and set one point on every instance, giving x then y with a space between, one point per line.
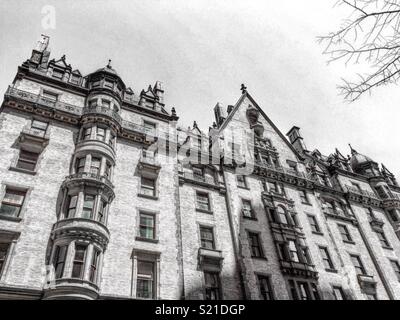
234 239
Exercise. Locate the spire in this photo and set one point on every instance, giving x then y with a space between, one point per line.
353 151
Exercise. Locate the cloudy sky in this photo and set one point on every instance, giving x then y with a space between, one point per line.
203 50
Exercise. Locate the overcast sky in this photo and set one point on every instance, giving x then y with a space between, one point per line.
203 50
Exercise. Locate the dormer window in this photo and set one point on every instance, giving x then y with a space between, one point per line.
108 83
58 73
74 79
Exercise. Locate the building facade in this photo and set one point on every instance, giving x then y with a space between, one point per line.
104 196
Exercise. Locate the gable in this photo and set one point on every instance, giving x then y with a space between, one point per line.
238 118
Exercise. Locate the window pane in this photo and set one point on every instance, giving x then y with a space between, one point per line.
79 260
3 254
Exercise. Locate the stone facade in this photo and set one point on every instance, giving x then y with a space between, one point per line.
103 196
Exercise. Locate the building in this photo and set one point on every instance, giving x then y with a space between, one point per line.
99 200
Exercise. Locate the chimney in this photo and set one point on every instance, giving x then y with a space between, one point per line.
296 139
41 52
220 114
159 91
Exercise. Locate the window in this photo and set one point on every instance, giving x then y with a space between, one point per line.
94 266
100 133
326 258
241 181
306 255
106 103
78 264
39 127
108 83
357 186
264 285
293 291
304 291
88 204
72 201
95 166
57 74
247 209
393 215
314 224
93 103
294 256
396 268
382 238
60 255
346 236
198 173
111 140
12 202
3 255
282 215
207 237
102 211
203 201
273 187
107 171
80 165
27 160
255 246
292 165
303 196
50 95
338 293
145 280
86 133
211 280
315 291
358 265
147 186
74 79
146 226
149 127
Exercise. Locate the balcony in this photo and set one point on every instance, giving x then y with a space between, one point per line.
210 259
71 289
82 228
35 99
91 179
103 111
362 196
35 138
298 269
367 283
376 223
93 145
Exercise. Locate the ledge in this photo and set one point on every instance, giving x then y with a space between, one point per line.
32 173
204 211
317 233
138 238
331 270
10 218
141 195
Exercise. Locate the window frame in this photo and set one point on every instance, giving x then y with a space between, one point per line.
326 258
16 191
204 240
251 235
210 289
261 288
26 157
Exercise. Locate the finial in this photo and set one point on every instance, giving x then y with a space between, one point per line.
173 111
243 88
63 57
353 151
214 125
194 124
109 64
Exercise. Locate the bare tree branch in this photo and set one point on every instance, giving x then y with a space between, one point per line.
370 34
